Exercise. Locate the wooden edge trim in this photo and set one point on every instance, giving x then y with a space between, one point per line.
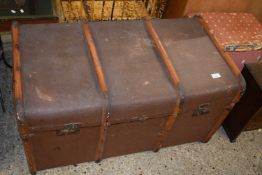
17 64
225 55
222 117
175 81
237 74
18 99
104 90
103 129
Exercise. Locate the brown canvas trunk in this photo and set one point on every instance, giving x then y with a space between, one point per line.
89 91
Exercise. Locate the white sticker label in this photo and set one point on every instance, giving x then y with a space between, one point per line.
215 75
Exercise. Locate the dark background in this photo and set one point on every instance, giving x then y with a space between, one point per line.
30 7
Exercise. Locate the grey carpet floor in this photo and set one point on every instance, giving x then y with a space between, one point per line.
218 156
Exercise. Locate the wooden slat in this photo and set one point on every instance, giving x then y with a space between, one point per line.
222 117
164 55
175 80
104 90
235 71
17 64
224 54
18 99
95 59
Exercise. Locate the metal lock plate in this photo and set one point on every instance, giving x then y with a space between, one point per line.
71 128
201 110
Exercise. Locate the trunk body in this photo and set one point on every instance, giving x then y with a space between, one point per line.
147 106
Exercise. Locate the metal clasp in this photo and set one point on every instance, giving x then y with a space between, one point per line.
71 128
201 109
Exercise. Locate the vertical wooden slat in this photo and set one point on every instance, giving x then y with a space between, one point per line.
63 11
175 81
123 9
164 55
18 99
95 59
17 63
93 10
80 9
104 91
113 8
102 13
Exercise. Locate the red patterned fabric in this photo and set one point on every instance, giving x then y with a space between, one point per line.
237 28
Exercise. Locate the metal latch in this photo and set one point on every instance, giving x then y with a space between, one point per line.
71 128
201 109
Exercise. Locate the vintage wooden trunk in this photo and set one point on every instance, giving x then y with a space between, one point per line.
85 92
